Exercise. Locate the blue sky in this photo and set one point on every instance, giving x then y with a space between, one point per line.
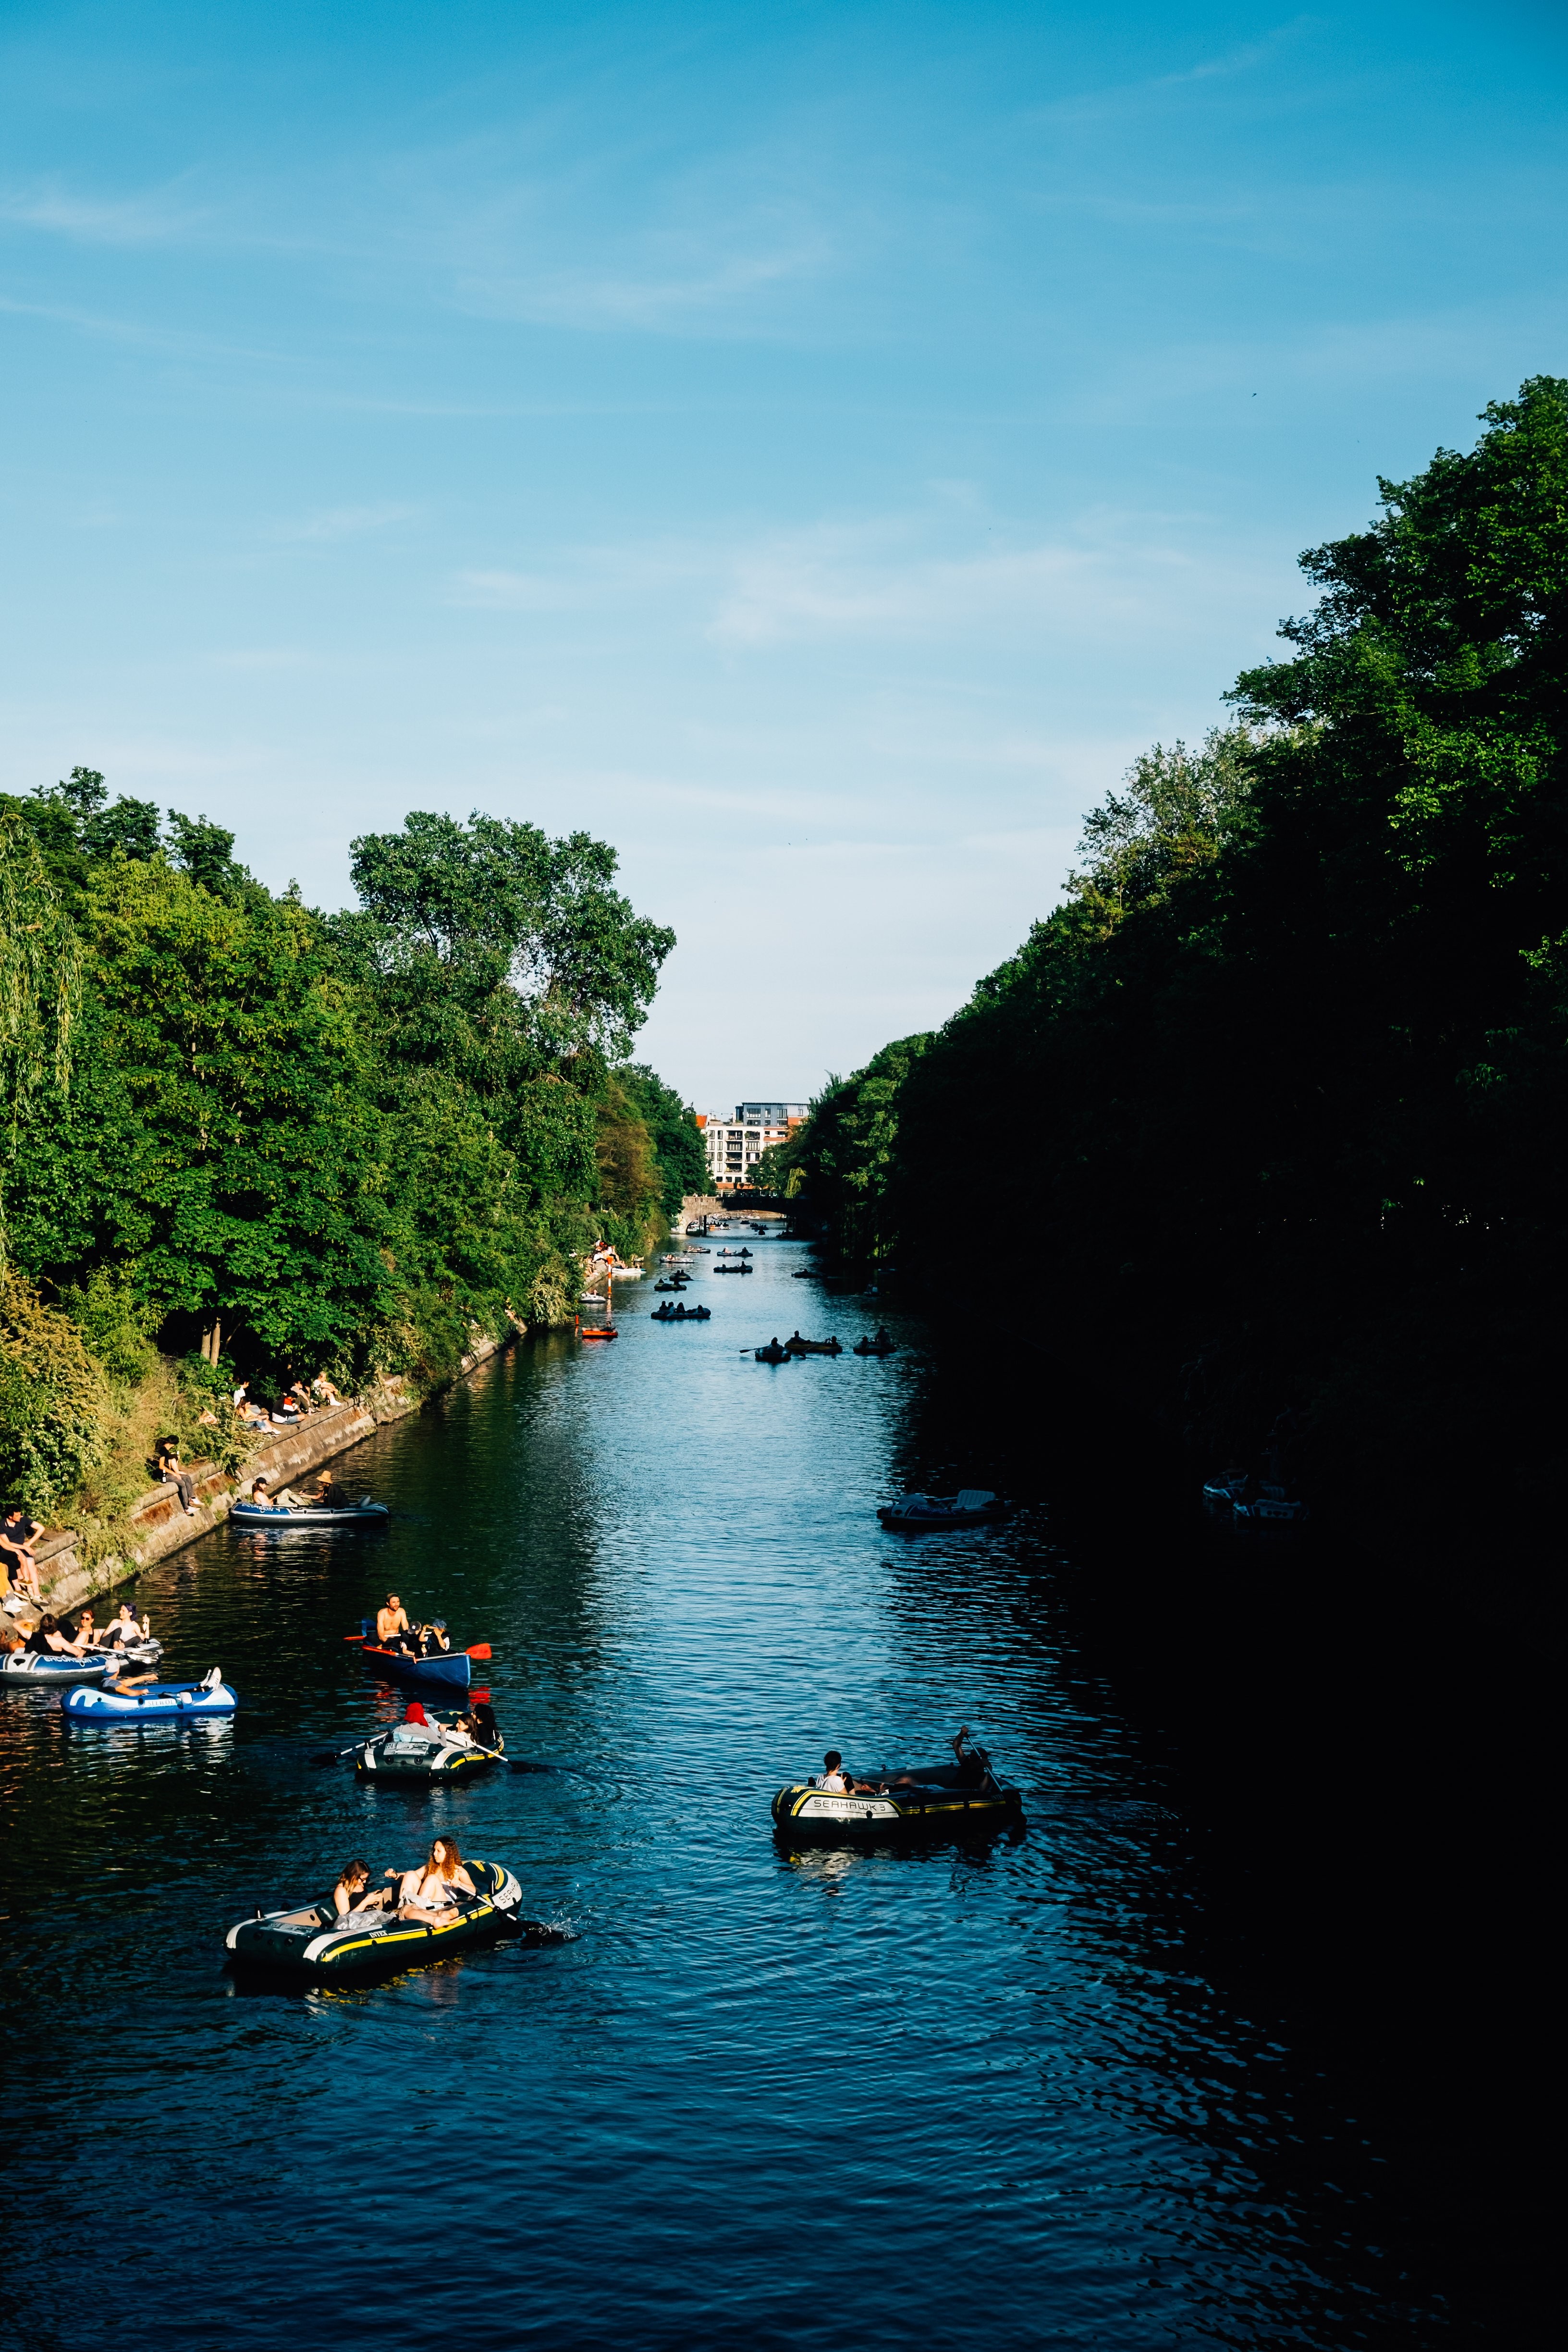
814 448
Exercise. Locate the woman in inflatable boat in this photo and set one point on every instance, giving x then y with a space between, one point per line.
432 1887
349 1895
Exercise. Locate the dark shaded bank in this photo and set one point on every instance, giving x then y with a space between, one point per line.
1362 1730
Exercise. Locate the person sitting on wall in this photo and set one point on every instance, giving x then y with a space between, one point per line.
253 1415
323 1392
173 1473
17 1535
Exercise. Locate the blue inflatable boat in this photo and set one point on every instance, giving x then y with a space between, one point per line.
161 1703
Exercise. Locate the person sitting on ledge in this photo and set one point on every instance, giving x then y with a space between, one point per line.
323 1392
253 1415
173 1473
17 1534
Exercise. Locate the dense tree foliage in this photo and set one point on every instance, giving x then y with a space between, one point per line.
1277 1092
343 1141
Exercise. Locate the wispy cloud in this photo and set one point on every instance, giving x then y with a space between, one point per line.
152 216
342 522
891 580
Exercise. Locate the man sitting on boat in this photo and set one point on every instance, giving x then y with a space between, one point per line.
391 1628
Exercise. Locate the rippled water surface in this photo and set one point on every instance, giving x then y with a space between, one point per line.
987 2096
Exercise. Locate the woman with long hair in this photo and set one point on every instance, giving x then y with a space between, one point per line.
434 1886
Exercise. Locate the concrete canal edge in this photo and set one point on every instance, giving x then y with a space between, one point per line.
158 1525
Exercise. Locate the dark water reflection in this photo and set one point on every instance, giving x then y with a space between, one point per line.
1021 2092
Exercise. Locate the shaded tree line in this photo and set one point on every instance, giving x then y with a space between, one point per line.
238 1130
1276 1094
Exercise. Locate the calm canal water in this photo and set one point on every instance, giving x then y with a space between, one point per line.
995 2096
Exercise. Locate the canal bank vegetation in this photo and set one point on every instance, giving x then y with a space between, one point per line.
244 1138
1275 1098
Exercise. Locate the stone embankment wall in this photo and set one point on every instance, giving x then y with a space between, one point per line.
157 1523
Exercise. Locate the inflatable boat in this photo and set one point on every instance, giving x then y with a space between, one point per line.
681 1315
447 1670
941 1799
415 1752
363 1514
972 1506
314 1941
30 1667
773 1354
161 1703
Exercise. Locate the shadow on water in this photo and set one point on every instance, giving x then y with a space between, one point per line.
1208 2057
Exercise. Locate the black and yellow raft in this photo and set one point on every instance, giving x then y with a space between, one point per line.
423 1751
311 1940
944 1800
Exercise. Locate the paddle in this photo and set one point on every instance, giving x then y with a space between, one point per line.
330 1755
475 1649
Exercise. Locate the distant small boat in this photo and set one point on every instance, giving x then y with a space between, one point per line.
971 1506
730 1252
773 1354
732 1269
681 1315
880 1346
799 1346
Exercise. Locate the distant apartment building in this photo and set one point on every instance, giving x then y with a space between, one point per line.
735 1145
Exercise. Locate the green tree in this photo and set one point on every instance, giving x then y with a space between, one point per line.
672 1127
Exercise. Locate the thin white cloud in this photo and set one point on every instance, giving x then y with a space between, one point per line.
894 580
342 522
154 217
